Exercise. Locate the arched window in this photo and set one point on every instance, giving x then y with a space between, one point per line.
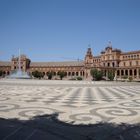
73 73
126 72
113 64
135 72
122 72
69 73
118 72
83 73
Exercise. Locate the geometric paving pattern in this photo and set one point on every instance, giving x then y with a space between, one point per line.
75 101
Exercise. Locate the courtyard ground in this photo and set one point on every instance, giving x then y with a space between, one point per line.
43 109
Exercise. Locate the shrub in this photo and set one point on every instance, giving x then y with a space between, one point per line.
79 78
72 79
130 79
111 75
62 74
50 75
38 74
96 74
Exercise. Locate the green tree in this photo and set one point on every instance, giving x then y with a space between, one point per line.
111 75
1 72
38 74
96 74
62 74
50 74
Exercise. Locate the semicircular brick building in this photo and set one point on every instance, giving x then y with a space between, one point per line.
123 64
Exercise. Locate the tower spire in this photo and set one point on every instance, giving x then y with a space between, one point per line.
110 44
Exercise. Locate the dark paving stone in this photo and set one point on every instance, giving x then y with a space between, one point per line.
48 127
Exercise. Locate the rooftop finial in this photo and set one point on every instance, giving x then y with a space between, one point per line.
109 44
89 46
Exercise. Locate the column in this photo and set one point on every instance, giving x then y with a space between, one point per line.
128 73
115 78
133 73
79 73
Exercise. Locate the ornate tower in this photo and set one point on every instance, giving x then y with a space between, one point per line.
21 62
89 57
88 63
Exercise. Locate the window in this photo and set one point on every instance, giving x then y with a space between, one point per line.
124 63
137 63
130 63
118 72
113 64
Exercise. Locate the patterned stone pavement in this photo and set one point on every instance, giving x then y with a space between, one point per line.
75 101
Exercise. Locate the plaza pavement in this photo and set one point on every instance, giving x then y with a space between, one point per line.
76 102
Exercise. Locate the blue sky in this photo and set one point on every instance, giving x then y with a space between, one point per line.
61 30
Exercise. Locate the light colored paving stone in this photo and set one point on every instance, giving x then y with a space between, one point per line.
75 101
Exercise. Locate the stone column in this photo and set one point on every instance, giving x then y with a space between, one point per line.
79 73
115 78
107 74
128 73
133 73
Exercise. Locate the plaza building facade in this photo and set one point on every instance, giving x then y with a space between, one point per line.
122 64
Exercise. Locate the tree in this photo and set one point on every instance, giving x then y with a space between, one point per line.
50 74
38 74
1 72
111 75
96 74
62 74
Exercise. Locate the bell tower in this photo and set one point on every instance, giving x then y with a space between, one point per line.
89 57
88 63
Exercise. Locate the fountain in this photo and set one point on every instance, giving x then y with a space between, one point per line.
19 74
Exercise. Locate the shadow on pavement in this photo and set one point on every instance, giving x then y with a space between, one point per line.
48 127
